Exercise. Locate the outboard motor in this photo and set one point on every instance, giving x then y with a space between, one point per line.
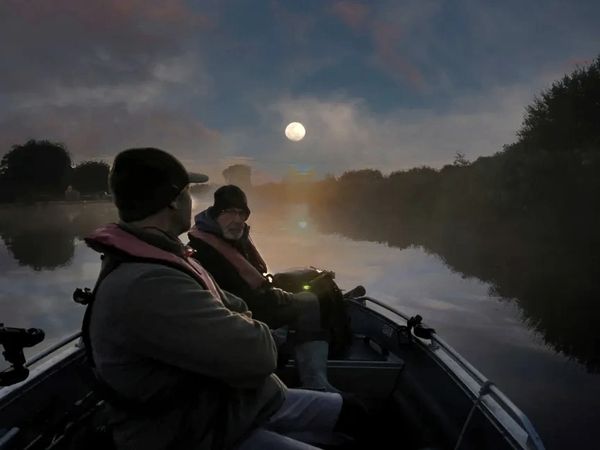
14 340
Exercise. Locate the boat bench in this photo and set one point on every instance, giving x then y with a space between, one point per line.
365 369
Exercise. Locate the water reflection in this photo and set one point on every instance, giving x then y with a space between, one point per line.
550 272
486 294
42 236
43 260
552 279
468 312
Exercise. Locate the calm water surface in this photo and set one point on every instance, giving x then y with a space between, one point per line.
43 259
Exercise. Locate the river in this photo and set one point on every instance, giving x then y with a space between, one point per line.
43 259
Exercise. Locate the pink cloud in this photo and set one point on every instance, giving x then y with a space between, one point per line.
385 39
352 14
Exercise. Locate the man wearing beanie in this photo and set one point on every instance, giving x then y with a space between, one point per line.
223 246
181 363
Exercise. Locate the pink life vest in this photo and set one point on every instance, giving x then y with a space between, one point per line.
247 271
112 236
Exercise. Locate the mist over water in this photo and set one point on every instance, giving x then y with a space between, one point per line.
43 259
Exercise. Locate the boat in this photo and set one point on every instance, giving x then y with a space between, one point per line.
427 395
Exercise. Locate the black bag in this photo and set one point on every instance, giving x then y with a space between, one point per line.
334 317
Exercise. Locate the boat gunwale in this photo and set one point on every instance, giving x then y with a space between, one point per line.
503 412
60 356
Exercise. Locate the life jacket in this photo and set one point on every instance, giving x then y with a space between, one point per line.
112 238
247 271
119 246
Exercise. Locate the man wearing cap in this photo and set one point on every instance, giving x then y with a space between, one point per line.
223 246
182 364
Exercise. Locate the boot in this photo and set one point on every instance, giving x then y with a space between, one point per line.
311 362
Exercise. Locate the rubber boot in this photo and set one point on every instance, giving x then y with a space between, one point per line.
311 361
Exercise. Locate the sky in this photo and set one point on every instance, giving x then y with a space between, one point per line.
389 84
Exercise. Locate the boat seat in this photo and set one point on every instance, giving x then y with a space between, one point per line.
364 368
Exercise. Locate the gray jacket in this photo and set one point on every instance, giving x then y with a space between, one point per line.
155 329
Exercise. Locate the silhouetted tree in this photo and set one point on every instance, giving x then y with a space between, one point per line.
7 190
460 160
566 117
526 220
91 177
36 169
361 176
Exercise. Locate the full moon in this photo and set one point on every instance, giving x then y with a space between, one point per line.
295 131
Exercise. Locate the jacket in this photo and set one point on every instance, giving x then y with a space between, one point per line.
262 298
158 331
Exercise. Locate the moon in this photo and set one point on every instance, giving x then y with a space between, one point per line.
295 131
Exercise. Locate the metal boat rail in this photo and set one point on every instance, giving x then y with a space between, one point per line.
53 348
45 362
476 383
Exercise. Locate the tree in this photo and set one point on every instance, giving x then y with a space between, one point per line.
365 176
36 169
566 116
460 160
91 177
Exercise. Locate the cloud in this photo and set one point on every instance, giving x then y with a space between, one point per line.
352 14
68 43
298 26
178 75
390 84
102 132
104 75
390 57
395 30
434 48
344 133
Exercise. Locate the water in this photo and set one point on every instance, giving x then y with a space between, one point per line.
43 259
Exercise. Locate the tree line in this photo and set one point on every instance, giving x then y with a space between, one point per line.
526 220
551 173
43 170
